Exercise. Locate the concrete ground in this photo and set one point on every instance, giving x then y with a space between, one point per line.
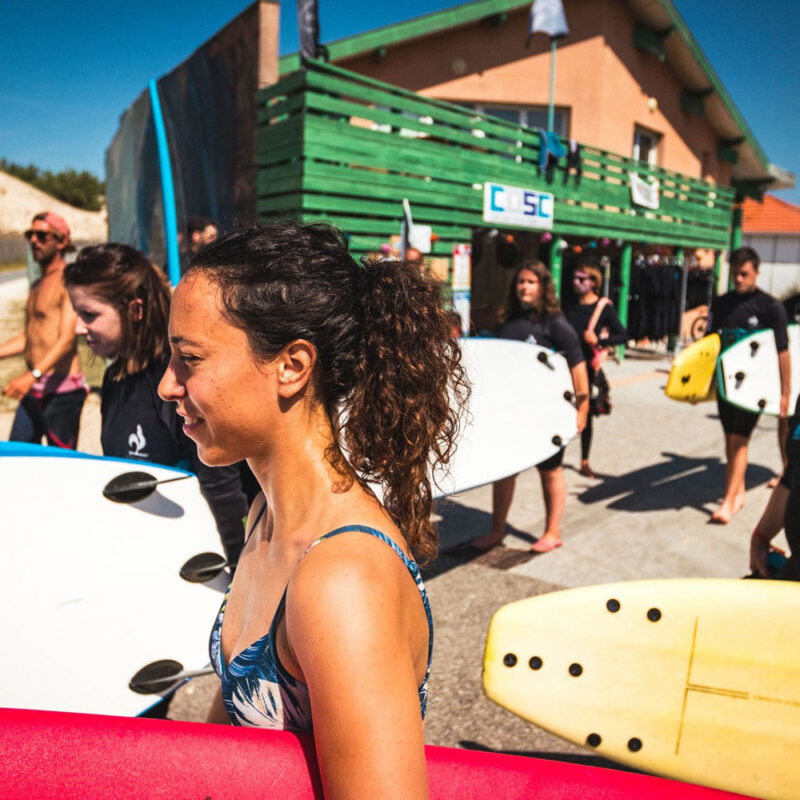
660 475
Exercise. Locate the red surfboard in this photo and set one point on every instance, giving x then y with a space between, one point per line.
52 755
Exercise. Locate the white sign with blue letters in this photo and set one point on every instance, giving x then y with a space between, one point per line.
513 205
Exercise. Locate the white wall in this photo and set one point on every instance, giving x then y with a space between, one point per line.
780 261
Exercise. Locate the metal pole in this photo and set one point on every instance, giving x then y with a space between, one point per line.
167 188
712 286
684 287
551 107
405 228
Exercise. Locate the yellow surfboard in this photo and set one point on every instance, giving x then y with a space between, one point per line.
691 378
691 679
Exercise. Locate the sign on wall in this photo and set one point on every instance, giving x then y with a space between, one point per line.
514 205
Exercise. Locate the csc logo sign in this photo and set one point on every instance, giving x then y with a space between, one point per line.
513 205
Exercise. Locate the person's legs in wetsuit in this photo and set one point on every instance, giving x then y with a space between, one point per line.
738 425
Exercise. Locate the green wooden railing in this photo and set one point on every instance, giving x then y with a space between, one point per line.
337 146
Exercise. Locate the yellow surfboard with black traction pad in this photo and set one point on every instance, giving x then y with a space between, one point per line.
692 679
691 378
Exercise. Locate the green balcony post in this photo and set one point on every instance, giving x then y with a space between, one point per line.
736 237
556 263
736 231
625 279
625 258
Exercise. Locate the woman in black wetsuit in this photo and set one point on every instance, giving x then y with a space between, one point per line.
123 302
533 315
607 331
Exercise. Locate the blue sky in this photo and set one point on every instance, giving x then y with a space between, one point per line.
70 70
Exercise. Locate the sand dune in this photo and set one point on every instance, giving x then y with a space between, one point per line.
19 201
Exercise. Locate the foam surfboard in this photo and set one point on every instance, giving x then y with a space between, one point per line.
51 756
694 679
521 412
691 377
748 372
91 591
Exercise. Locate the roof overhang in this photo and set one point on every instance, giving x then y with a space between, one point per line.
695 73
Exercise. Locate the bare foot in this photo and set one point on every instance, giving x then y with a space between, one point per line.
723 515
547 543
487 541
586 470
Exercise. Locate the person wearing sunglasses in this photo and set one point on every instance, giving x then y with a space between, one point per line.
599 327
52 390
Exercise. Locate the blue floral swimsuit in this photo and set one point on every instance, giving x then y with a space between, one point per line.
256 689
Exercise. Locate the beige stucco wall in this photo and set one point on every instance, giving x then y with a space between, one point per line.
600 75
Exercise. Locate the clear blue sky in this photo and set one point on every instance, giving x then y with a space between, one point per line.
70 70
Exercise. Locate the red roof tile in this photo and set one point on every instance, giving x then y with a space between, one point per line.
771 216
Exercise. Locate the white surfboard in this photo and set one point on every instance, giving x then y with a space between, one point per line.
91 591
521 412
749 376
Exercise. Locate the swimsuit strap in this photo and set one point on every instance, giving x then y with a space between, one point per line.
257 520
411 565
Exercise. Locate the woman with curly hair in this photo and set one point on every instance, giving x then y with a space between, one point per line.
533 315
327 376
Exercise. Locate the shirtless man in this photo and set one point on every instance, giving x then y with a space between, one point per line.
52 391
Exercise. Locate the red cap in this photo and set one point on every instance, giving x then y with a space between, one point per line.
56 223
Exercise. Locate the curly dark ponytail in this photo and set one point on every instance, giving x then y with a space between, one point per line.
388 371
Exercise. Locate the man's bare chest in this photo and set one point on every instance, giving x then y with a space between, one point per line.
46 299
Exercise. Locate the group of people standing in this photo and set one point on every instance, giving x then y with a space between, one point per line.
584 336
324 375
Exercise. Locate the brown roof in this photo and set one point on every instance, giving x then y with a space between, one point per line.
771 216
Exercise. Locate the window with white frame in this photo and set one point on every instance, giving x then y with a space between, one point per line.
646 145
529 116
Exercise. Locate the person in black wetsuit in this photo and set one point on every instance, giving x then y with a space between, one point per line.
782 511
734 315
608 331
533 315
122 302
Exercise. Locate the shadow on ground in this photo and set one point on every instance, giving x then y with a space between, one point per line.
460 524
679 482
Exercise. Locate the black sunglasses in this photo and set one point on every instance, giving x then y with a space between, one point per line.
40 236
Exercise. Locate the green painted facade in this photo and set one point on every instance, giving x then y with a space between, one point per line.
337 146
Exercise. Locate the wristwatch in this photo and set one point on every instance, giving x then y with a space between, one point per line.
37 373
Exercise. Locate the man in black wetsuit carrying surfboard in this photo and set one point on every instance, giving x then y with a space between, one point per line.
736 314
